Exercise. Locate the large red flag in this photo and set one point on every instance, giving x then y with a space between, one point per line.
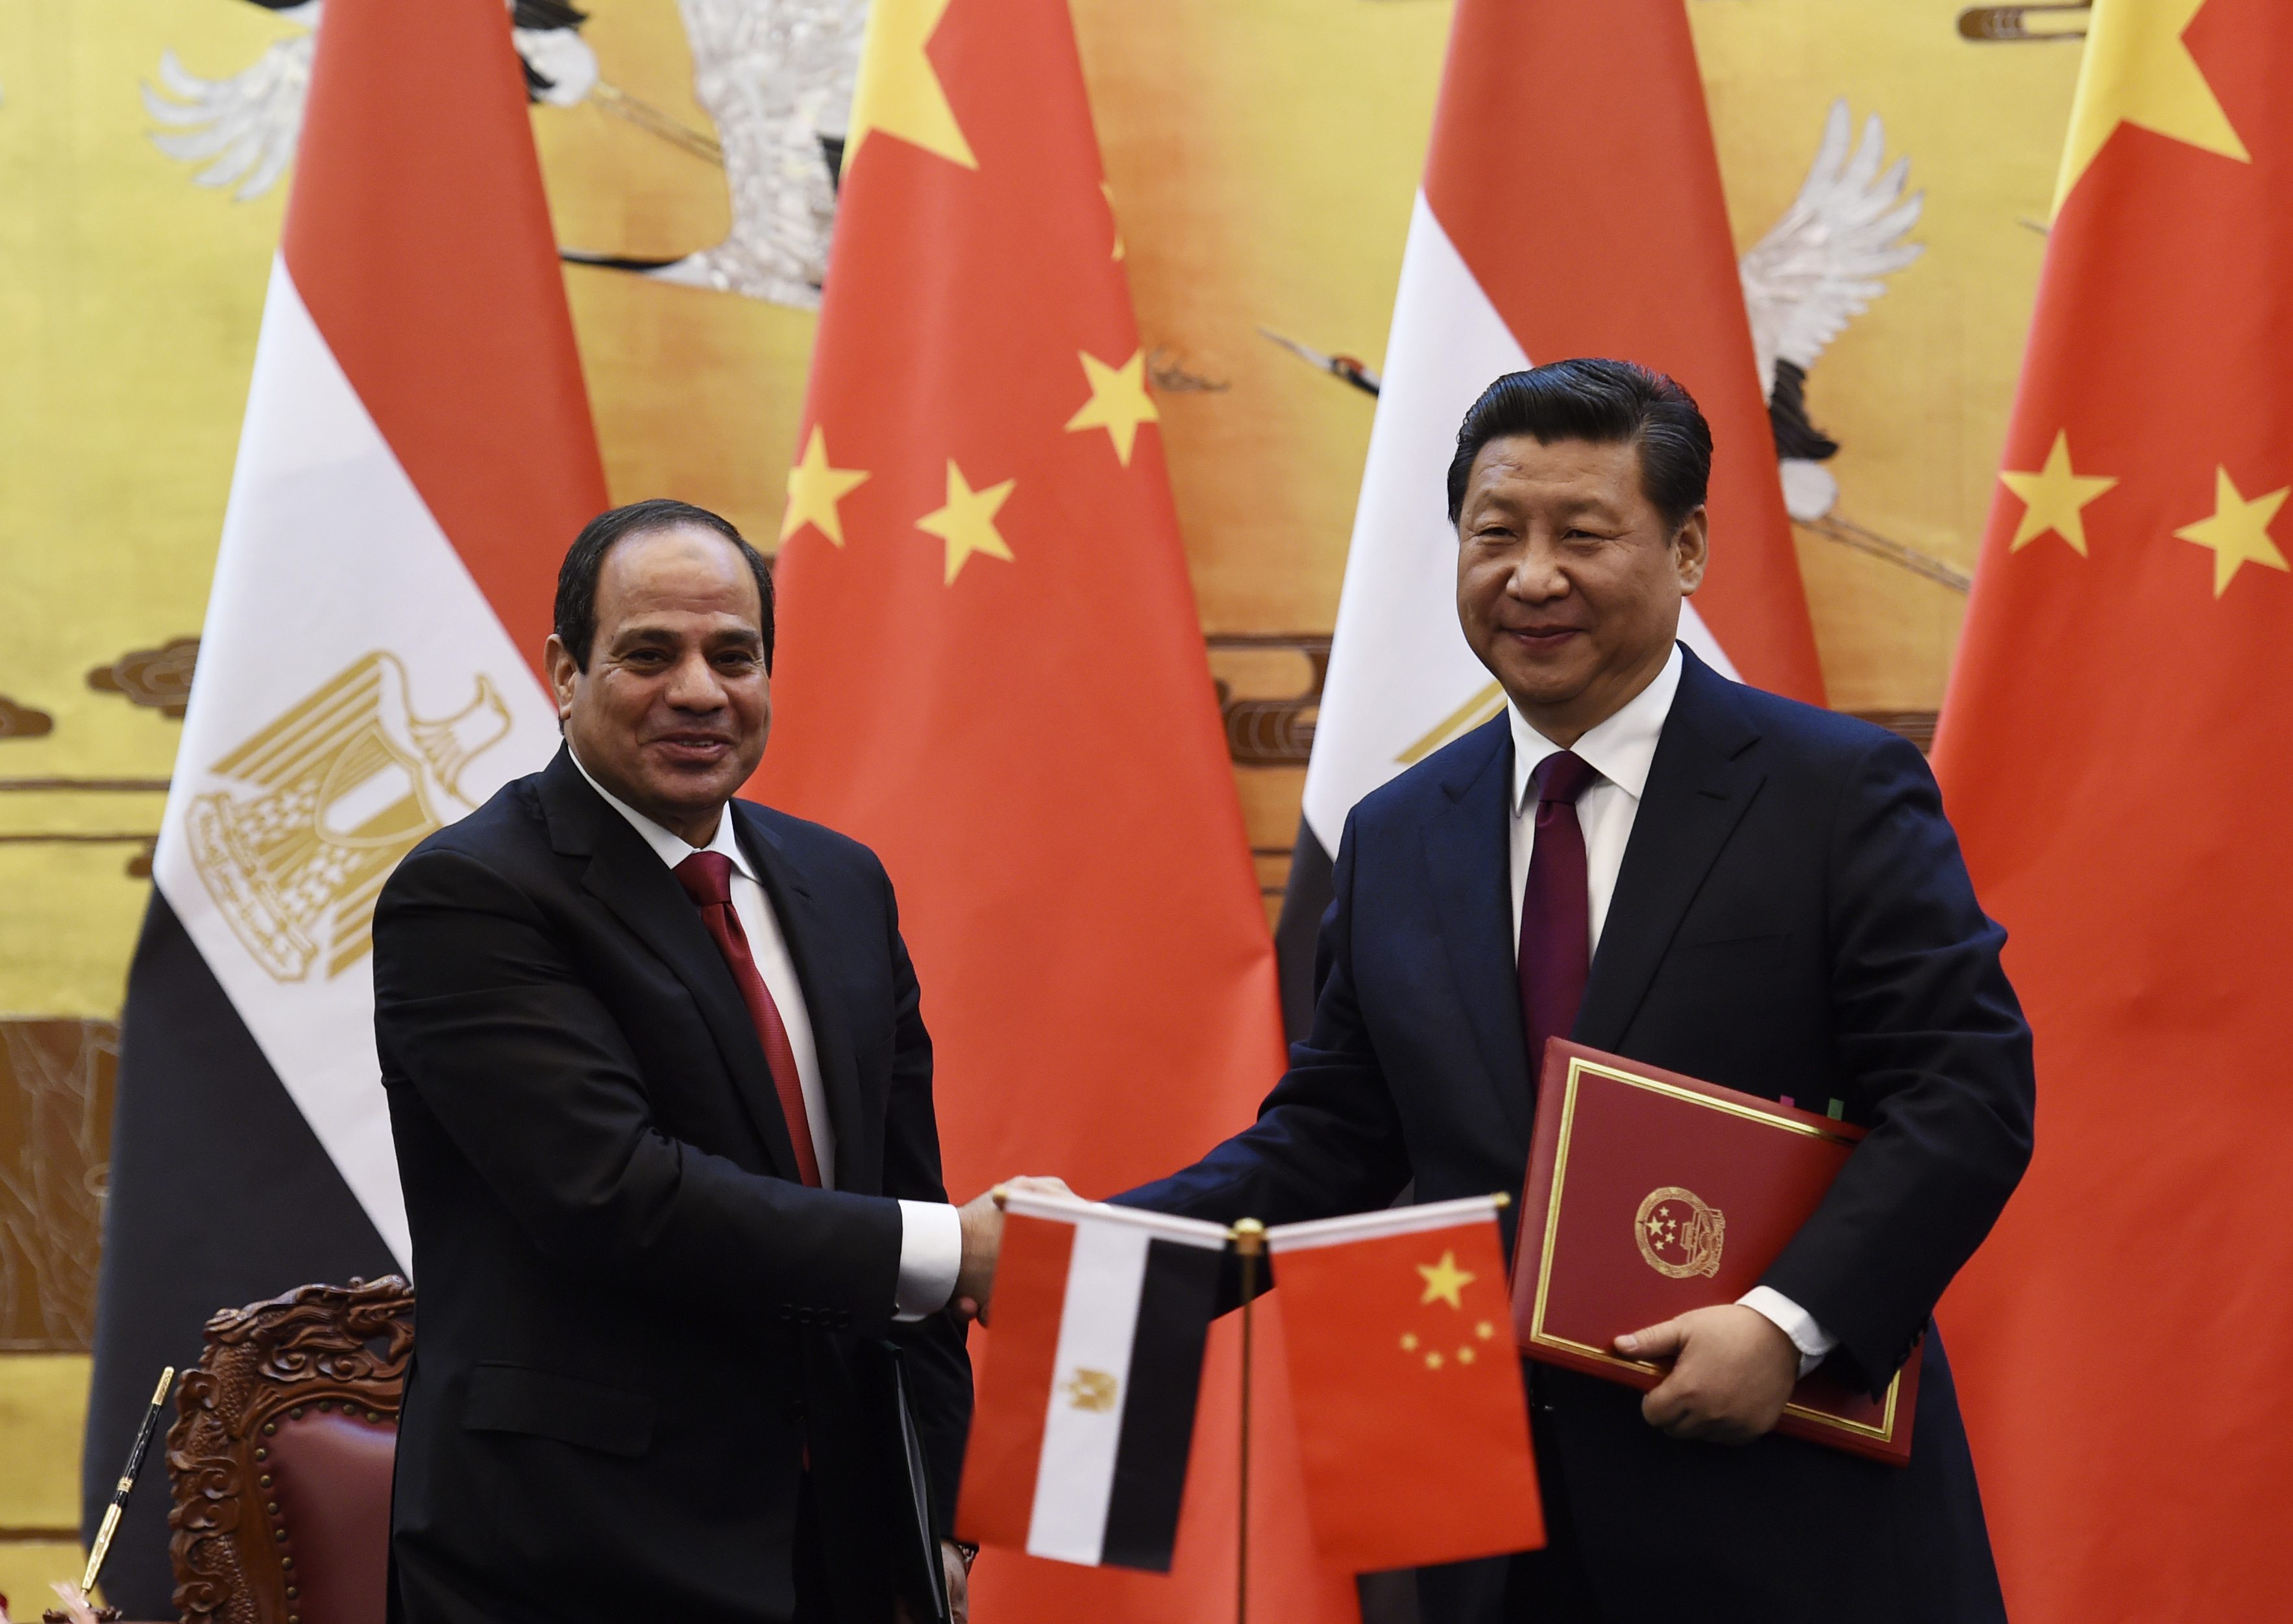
2115 759
990 669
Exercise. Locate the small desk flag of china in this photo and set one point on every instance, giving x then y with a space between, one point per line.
1412 1419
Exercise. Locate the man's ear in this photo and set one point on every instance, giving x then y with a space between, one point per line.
557 660
1691 550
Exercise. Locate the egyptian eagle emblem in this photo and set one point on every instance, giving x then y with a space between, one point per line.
319 806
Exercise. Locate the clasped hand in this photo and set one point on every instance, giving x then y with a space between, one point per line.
982 1239
1732 1371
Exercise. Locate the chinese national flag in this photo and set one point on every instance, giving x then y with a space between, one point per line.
1411 1420
2117 759
990 670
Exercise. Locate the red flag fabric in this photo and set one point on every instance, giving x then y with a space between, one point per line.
991 670
1572 142
1413 1421
2114 757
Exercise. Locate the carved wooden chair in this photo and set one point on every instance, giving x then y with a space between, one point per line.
280 1457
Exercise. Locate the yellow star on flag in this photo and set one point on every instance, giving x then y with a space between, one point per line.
1119 402
967 523
898 92
814 489
1445 1282
2138 71
2052 497
2238 530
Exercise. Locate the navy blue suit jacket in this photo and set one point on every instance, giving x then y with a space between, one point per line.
1792 918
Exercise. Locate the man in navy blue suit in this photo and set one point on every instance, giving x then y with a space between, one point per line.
1656 861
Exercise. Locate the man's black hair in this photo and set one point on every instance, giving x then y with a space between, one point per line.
577 578
1610 402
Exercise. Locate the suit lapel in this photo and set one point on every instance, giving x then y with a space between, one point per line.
625 874
1698 788
1468 853
805 927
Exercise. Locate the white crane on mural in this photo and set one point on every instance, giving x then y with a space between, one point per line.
1818 268
775 75
243 127
776 78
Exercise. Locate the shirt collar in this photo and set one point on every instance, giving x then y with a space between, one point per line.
672 849
1620 748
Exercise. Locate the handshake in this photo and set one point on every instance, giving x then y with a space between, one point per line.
982 1239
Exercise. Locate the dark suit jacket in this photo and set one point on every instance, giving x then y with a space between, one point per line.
1792 917
633 1321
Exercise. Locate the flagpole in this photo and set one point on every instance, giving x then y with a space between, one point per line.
1250 1243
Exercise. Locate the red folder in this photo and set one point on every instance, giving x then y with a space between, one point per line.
1650 1194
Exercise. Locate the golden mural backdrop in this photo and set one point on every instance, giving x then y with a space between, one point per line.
1261 156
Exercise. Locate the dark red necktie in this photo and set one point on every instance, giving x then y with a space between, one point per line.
707 877
1556 909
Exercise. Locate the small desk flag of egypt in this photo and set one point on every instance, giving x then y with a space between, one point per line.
1086 1409
1412 1419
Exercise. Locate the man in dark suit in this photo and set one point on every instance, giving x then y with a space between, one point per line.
662 1102
1655 861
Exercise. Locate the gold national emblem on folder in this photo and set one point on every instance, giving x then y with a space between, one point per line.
326 800
1680 1236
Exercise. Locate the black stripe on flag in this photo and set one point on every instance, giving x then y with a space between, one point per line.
1176 1298
1313 884
220 1196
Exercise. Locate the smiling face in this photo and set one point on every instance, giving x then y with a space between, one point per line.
672 713
1569 578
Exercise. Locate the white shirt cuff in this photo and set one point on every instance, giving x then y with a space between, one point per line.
931 1251
1812 1341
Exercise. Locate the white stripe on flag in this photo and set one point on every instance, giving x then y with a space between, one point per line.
1378 1225
1163 1226
329 558
1399 664
1076 1477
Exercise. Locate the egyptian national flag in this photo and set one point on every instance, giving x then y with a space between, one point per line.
1086 1414
1571 206
990 669
417 455
1413 1419
2114 750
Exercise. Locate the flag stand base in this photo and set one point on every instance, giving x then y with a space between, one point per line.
1250 1245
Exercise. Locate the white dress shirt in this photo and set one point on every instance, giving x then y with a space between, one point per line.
931 1236
1621 750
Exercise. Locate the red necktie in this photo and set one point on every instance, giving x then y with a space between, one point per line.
707 877
1556 909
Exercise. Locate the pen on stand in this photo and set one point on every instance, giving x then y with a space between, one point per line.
127 1483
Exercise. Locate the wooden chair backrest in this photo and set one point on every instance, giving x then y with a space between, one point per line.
280 1457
